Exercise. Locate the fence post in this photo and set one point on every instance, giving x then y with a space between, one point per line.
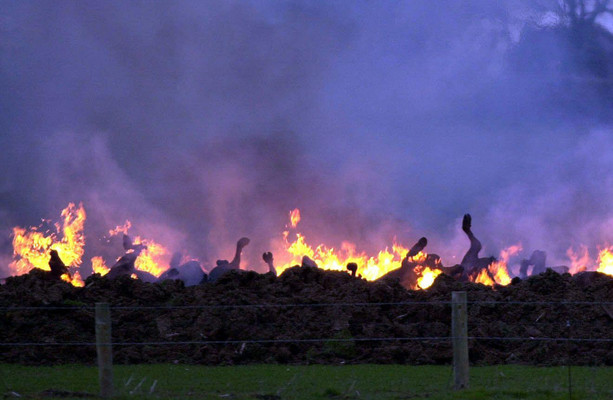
104 349
459 333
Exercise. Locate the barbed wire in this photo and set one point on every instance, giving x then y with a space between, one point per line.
315 340
296 305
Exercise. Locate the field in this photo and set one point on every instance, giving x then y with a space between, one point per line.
272 382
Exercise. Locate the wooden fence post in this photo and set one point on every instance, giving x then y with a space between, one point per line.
104 349
459 333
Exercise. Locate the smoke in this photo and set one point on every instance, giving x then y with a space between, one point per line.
202 123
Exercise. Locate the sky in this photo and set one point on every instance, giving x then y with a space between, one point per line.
202 122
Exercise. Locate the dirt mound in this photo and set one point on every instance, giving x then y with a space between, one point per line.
247 317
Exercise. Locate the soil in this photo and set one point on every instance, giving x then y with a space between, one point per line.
247 317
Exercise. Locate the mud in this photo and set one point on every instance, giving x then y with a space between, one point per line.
247 317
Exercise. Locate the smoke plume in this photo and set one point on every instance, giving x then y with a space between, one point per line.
204 122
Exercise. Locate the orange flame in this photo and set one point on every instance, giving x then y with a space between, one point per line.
154 259
328 258
99 266
605 261
427 276
75 280
579 261
484 278
498 269
294 217
369 267
31 247
121 229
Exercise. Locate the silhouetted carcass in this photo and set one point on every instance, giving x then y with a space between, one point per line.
224 266
190 273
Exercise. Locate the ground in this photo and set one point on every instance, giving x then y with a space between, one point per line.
307 316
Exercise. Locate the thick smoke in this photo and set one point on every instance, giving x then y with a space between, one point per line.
205 122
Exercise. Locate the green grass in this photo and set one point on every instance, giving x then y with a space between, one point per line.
274 382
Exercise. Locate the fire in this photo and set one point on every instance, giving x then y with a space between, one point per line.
605 261
294 217
370 267
31 247
75 280
484 278
578 261
99 266
498 270
154 259
427 276
121 229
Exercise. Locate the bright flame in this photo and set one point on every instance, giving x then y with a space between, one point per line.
31 247
327 258
154 259
605 261
498 269
99 266
369 267
294 217
484 278
76 279
427 277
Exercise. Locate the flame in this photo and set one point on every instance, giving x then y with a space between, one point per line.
294 217
605 261
75 280
427 277
31 247
369 267
99 266
484 278
498 269
329 258
121 229
154 259
578 261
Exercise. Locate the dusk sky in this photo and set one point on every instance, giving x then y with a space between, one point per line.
205 121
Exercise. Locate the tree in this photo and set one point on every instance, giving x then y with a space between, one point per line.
580 13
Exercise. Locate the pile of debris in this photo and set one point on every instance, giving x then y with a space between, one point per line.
308 315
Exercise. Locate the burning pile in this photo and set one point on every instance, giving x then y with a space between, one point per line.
145 259
63 244
32 248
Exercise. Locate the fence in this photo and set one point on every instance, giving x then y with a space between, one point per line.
253 329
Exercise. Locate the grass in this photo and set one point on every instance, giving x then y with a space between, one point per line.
274 382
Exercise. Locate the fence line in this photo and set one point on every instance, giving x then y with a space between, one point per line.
456 339
275 305
317 340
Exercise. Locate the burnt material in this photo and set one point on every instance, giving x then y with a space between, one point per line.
269 260
57 266
353 268
472 263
